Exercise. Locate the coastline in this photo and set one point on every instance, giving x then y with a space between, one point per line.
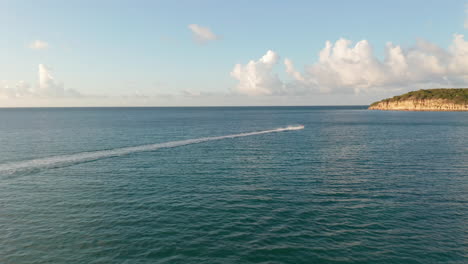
430 105
435 100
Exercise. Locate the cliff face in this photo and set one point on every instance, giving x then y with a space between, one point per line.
420 105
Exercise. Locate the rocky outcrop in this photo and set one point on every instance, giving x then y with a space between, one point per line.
420 105
445 99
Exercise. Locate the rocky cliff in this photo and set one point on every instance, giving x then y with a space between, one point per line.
426 100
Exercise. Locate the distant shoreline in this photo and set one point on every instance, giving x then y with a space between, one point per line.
435 100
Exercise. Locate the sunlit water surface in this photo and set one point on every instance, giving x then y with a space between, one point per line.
354 186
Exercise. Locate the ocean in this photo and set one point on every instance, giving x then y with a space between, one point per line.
233 185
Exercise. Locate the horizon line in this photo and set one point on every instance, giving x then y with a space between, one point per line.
189 106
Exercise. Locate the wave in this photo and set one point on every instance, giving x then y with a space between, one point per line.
67 160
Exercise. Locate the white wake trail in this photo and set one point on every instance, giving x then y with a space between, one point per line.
66 160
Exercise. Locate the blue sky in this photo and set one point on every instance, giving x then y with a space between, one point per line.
144 53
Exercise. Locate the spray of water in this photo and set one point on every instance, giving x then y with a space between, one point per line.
67 160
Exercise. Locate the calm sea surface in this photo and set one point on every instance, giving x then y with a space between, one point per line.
353 186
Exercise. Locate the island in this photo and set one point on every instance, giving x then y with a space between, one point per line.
426 100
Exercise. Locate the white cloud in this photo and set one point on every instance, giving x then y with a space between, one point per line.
39 45
202 34
47 87
257 77
342 66
292 71
17 89
190 93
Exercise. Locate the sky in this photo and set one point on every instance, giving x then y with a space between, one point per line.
227 53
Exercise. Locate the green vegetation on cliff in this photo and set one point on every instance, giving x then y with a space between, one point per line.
454 95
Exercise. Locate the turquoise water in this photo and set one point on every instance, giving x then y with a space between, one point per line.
353 186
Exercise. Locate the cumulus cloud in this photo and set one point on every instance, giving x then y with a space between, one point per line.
47 86
202 34
39 45
257 77
343 66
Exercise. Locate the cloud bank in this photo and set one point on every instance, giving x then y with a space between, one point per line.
342 66
39 45
47 87
202 34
